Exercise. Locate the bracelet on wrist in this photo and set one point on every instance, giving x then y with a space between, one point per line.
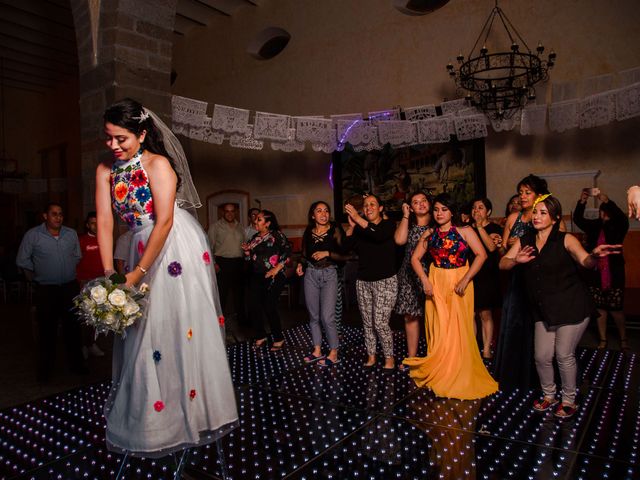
406 218
143 270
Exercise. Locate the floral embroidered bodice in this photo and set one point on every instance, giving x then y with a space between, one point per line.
131 193
448 249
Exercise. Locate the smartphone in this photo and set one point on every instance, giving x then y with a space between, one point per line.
592 192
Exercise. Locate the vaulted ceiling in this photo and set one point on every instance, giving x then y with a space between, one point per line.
38 41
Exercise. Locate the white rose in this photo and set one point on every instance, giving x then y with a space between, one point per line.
128 321
118 298
130 308
144 288
99 294
88 305
109 319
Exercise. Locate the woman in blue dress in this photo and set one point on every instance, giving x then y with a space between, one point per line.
514 367
171 383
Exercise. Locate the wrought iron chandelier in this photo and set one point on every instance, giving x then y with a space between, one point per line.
501 83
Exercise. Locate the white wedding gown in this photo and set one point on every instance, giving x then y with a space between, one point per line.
171 383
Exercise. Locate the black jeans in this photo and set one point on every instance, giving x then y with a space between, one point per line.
53 304
264 294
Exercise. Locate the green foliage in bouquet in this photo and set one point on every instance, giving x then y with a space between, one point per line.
108 305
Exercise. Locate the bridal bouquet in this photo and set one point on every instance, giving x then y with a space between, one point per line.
108 305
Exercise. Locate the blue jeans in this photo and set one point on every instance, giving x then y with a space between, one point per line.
320 292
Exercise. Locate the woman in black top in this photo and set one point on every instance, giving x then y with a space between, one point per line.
321 246
560 303
607 283
486 283
371 238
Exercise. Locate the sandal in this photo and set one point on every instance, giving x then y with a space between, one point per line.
312 358
389 369
327 362
565 411
276 346
403 368
544 404
260 342
624 346
603 344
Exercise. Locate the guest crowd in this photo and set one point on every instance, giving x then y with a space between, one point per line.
448 277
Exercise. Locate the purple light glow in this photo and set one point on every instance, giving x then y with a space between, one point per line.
341 142
331 175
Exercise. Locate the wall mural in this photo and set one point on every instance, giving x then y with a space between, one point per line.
394 173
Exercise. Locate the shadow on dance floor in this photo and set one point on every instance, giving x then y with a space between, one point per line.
346 422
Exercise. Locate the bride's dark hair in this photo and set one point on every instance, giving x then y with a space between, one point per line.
129 114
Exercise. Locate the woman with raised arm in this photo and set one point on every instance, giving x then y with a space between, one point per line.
416 217
607 284
453 367
559 299
371 237
171 383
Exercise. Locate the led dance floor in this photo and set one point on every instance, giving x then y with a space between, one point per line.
346 422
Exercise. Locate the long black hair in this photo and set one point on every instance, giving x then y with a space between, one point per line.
130 115
310 221
413 218
269 216
447 200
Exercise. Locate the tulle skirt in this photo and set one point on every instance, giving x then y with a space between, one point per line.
171 383
453 367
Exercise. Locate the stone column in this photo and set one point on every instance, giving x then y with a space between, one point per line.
124 50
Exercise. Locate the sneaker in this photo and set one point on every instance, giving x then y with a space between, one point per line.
93 350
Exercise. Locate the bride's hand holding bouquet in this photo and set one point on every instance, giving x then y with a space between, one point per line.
109 305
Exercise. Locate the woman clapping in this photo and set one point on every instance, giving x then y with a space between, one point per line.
371 237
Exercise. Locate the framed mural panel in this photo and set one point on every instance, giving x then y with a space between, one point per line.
395 173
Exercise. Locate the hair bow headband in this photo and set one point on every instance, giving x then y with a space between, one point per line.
541 198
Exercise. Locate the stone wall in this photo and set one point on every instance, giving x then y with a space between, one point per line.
124 50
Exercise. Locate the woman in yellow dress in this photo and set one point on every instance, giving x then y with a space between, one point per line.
453 367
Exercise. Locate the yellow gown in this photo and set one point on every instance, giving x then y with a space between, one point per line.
453 367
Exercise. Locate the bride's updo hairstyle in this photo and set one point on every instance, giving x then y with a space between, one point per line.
132 116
